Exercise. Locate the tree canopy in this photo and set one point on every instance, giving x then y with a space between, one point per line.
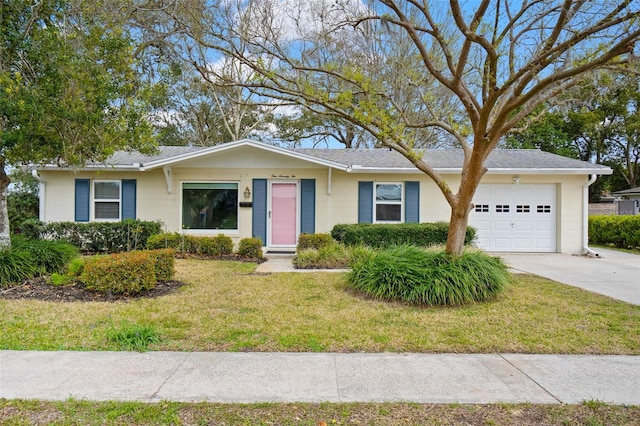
71 91
409 71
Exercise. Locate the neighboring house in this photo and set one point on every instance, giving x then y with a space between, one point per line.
528 201
629 194
631 204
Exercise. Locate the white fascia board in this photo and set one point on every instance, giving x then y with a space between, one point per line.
234 145
543 171
93 167
457 170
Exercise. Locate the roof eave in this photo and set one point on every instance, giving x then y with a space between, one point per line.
92 168
491 171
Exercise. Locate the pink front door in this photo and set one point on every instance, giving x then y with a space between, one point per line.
284 213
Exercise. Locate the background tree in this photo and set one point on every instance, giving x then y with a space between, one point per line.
23 202
70 88
598 121
499 61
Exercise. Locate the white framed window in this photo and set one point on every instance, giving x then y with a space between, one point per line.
106 199
388 202
210 206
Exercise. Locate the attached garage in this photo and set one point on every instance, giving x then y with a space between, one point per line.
516 217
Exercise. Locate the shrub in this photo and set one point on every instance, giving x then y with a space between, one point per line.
314 241
387 235
97 237
429 277
124 273
619 231
251 248
73 271
46 256
189 244
214 246
164 264
75 267
166 240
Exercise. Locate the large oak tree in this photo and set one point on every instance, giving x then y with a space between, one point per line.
69 88
386 66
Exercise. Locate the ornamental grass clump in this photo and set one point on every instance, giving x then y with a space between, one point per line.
330 256
429 277
46 256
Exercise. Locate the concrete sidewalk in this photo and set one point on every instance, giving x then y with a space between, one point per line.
319 377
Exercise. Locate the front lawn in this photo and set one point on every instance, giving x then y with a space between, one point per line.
225 307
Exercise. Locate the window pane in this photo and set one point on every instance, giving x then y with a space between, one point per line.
389 192
107 190
210 206
107 210
390 212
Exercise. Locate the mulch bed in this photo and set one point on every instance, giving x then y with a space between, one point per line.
39 289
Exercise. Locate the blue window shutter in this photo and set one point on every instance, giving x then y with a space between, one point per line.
365 202
82 195
308 206
128 199
259 210
412 202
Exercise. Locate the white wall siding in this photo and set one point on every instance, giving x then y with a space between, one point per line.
154 202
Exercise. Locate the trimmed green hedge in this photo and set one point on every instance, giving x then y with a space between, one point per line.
314 241
128 273
386 235
619 231
251 248
96 237
206 246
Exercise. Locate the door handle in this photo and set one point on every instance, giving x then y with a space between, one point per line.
269 214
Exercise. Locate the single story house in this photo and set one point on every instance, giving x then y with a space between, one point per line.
528 201
629 194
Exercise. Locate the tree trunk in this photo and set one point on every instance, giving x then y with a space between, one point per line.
5 240
457 230
461 206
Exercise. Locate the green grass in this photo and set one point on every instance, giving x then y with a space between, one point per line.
133 337
224 307
72 412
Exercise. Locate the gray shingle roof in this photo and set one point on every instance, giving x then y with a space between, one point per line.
635 190
524 159
451 159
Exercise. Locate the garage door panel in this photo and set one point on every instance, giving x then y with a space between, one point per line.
502 225
523 226
523 243
511 217
502 243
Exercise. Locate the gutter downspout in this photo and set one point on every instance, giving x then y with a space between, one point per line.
41 194
585 217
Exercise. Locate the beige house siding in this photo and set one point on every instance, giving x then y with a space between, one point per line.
336 191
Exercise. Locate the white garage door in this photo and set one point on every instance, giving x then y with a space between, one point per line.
517 218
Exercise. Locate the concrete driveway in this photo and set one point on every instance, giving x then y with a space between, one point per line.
614 274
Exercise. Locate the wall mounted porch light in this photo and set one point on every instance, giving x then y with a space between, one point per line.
247 193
